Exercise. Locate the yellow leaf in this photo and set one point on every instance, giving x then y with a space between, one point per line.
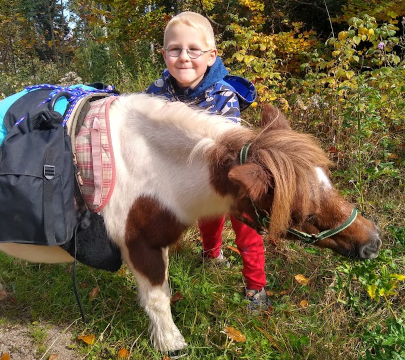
301 279
93 293
88 339
123 354
54 357
398 276
234 334
304 303
342 35
5 356
371 289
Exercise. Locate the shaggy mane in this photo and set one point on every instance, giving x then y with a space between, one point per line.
290 158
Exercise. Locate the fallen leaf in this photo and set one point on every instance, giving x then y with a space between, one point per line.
234 249
165 357
177 247
234 334
5 356
269 293
83 285
3 294
284 292
176 297
304 303
54 357
123 354
269 310
93 293
88 339
301 279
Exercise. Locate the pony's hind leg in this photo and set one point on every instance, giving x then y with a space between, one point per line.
147 238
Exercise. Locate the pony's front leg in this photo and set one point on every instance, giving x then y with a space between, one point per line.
150 229
155 299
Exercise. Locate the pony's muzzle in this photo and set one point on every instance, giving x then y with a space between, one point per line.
372 248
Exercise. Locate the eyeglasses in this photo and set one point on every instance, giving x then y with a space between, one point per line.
192 53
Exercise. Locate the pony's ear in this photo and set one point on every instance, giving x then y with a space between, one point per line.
273 118
251 178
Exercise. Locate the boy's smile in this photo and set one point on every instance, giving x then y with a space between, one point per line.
188 72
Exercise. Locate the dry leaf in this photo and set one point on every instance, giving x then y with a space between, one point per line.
3 294
5 356
269 310
233 249
304 303
88 339
177 247
93 293
54 357
269 293
176 297
165 357
234 334
123 354
301 279
284 292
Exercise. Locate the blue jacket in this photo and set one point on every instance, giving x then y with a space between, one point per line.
218 92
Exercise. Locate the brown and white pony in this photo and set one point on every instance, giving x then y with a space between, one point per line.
175 165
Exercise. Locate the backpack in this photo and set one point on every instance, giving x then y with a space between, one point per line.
37 174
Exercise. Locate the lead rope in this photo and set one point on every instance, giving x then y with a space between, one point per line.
74 278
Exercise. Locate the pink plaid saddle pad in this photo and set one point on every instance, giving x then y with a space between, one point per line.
95 155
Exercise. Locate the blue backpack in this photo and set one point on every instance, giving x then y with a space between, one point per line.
37 174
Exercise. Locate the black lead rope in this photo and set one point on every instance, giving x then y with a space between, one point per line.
74 278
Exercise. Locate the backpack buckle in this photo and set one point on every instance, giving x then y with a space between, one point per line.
49 171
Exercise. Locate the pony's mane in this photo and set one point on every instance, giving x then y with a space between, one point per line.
290 158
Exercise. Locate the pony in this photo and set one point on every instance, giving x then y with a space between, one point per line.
176 164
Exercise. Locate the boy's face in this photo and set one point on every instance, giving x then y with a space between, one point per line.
188 72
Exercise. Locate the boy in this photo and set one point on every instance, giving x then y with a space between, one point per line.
195 75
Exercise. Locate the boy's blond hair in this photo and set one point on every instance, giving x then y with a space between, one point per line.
196 21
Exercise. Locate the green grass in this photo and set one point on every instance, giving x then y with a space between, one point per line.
336 324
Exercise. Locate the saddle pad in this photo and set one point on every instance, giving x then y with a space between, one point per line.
95 155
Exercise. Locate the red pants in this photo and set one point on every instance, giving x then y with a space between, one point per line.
248 241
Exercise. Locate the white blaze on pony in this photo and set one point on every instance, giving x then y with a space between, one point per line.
175 165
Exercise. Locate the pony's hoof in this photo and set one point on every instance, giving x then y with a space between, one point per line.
177 354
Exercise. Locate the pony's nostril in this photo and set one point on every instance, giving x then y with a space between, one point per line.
371 250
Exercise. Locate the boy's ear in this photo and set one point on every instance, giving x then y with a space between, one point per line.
213 57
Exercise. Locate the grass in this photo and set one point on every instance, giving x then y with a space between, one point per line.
340 313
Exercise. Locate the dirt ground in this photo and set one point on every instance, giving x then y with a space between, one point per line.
17 341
